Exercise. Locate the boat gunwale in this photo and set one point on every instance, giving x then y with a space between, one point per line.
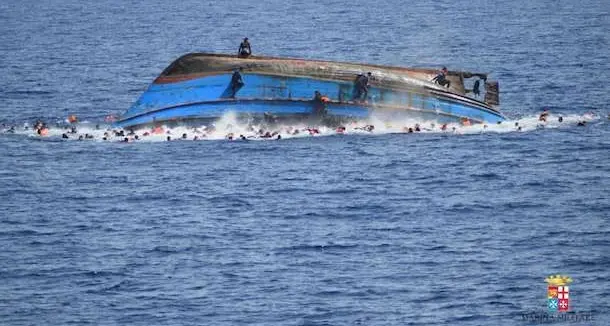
165 72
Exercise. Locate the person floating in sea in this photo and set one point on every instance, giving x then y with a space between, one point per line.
544 115
245 50
237 82
40 127
441 78
368 128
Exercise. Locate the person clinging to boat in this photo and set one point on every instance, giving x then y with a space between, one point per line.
362 86
441 78
245 50
236 81
320 103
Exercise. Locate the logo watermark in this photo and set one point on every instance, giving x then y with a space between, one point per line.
558 304
558 293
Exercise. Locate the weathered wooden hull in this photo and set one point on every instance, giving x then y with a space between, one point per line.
198 87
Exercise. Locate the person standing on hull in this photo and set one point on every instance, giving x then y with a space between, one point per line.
441 78
245 50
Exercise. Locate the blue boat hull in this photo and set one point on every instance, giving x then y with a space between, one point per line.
209 97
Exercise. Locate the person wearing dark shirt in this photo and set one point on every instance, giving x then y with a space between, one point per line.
357 93
362 86
441 78
245 50
320 103
236 82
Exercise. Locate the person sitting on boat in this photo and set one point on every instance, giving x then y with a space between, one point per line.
244 49
236 82
441 78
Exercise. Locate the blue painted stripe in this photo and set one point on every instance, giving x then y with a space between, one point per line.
208 97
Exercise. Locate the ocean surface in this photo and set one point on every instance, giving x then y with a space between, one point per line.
365 228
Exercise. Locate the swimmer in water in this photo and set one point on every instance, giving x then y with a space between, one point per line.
184 136
368 128
544 115
169 138
43 131
560 119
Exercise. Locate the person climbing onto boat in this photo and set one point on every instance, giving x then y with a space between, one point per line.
320 102
357 91
236 82
245 50
441 78
362 86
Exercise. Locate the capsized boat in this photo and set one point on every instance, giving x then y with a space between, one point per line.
202 87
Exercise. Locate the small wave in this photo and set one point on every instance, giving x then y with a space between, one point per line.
318 247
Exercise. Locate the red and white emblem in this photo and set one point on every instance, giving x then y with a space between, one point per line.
563 294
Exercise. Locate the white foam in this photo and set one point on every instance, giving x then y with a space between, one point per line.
229 127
